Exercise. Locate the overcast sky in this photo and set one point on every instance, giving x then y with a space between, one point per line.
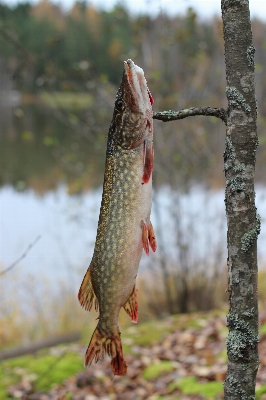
205 8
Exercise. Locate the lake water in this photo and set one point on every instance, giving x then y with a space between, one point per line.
38 150
67 228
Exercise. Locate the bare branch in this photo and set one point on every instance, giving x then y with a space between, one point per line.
21 257
170 115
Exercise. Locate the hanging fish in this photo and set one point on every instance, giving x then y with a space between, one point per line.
124 226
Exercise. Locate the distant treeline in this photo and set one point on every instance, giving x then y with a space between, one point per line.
42 43
44 48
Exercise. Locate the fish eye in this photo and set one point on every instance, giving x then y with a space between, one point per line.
119 104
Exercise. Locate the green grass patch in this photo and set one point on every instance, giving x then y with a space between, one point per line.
260 391
67 100
190 385
47 370
222 355
147 333
157 369
262 329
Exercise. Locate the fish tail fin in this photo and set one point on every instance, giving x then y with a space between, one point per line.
86 293
110 343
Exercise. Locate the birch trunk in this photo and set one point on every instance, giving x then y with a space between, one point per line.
242 219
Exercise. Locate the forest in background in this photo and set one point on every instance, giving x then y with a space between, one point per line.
68 50
49 55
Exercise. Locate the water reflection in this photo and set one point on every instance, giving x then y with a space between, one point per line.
39 149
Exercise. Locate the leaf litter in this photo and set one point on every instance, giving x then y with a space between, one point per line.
188 362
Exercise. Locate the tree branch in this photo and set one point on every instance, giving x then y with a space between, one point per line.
170 115
21 257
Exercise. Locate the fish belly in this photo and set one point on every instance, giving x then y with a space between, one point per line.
117 254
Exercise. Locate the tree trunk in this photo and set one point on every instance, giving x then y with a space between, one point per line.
242 218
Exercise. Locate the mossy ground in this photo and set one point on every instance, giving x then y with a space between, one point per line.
260 392
153 371
43 369
190 385
50 367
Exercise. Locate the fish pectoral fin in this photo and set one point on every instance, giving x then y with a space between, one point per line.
148 161
145 238
86 293
148 237
131 306
152 238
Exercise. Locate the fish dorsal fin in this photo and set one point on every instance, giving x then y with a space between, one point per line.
86 293
131 306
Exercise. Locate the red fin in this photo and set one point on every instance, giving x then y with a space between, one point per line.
152 239
148 161
86 293
102 343
145 238
150 97
131 306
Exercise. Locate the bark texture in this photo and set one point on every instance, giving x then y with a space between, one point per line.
170 115
242 219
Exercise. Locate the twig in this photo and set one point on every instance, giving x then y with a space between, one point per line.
21 257
170 115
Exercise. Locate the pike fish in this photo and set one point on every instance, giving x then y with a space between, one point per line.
124 227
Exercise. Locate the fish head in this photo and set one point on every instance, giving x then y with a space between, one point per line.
132 120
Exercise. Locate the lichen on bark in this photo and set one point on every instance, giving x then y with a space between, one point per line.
250 237
236 99
250 55
243 221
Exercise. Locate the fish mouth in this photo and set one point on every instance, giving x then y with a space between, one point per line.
137 82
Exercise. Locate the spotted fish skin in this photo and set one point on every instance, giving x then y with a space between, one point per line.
124 226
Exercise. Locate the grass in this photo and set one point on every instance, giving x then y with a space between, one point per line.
190 385
260 391
155 370
262 329
147 333
43 369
